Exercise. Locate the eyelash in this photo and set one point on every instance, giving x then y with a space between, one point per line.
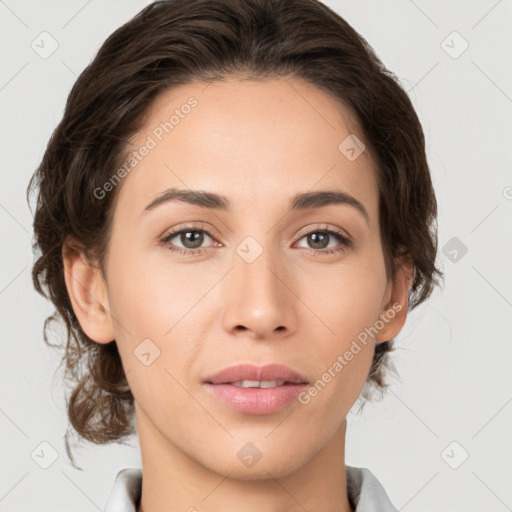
346 242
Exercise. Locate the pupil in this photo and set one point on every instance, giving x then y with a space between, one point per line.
315 237
196 239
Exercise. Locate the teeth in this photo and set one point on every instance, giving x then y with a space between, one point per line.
258 384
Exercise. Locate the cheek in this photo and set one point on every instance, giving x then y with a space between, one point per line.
343 357
346 303
149 297
157 316
151 312
345 298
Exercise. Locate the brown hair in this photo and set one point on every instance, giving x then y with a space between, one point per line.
176 42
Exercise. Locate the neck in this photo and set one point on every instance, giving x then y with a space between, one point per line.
174 480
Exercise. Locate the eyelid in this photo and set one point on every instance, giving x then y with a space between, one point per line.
212 232
192 226
324 227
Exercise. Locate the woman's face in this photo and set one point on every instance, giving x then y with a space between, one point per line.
261 282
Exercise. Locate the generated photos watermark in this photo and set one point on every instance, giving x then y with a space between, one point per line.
136 156
342 360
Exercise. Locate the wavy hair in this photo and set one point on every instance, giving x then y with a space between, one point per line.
175 42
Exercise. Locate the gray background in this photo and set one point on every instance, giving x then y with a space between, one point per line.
454 397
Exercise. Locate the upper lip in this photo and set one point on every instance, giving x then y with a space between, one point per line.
250 372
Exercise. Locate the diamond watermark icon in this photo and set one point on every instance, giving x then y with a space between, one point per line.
454 455
44 45
454 45
351 147
454 249
249 249
146 352
249 455
44 455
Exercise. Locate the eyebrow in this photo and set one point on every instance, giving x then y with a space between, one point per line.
301 201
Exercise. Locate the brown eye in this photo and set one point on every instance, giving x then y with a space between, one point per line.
191 239
188 240
319 241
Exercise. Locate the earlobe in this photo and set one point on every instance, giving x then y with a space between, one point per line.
88 294
394 314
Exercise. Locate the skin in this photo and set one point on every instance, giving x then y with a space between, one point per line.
258 143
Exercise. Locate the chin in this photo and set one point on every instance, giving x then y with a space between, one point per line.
277 465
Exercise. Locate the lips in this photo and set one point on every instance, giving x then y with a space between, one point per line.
256 400
250 372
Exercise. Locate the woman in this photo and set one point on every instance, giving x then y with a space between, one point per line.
234 216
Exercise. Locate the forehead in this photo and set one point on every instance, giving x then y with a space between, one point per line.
257 142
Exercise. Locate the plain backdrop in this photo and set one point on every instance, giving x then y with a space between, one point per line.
440 439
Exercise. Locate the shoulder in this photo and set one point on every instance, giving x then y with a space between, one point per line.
366 492
125 493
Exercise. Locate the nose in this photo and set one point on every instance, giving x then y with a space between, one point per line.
260 301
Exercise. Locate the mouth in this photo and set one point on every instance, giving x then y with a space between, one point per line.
255 390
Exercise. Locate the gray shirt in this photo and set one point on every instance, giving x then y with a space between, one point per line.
365 492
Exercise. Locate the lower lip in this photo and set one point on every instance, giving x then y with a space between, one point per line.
256 400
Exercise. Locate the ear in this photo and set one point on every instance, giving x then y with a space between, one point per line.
394 313
87 292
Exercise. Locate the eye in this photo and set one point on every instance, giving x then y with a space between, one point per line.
192 238
320 239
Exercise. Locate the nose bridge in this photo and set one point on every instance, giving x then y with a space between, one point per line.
261 300
257 263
